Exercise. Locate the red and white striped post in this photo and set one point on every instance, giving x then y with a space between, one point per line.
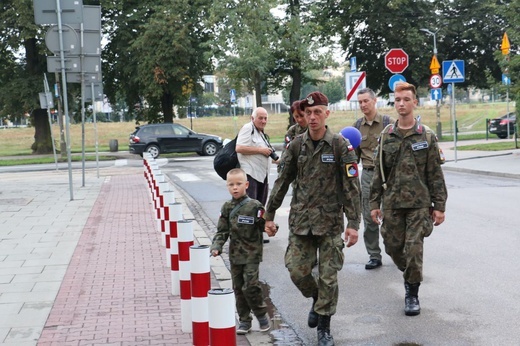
200 285
222 330
185 236
161 186
174 214
168 198
157 177
154 169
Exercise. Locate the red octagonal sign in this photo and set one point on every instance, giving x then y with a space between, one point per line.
396 60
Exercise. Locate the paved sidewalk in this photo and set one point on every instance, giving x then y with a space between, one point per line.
504 163
90 271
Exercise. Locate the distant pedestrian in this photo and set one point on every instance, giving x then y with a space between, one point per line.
241 221
253 150
300 125
408 185
323 167
370 125
255 154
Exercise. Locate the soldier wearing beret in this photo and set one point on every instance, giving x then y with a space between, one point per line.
241 220
323 169
409 185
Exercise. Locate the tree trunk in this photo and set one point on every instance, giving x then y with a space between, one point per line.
42 132
167 106
258 89
295 90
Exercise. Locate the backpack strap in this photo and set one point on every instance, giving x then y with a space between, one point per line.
381 168
358 123
238 206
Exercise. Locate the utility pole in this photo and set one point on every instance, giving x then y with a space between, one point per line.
434 67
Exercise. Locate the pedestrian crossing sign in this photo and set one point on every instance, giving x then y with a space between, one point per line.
453 71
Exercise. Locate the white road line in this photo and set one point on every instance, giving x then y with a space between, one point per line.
187 177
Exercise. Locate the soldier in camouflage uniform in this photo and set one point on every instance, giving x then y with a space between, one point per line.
410 188
241 220
323 167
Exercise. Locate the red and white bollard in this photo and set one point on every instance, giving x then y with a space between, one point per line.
173 212
185 236
222 330
159 205
157 177
200 285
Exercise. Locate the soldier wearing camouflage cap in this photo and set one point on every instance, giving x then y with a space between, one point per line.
323 169
409 186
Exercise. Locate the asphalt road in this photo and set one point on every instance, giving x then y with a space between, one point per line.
468 296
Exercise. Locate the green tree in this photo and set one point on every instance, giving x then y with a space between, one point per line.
466 30
158 51
245 43
334 89
23 65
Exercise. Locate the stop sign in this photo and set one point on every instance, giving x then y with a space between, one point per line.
396 60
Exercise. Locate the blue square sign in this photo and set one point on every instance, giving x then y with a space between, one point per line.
453 71
436 94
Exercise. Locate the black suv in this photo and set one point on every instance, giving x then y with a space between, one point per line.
498 126
158 139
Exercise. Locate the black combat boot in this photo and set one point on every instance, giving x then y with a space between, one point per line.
312 320
324 337
411 300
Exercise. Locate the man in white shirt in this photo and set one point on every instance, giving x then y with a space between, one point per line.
253 150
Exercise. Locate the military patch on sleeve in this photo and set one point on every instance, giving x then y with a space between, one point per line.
441 155
350 147
247 220
260 213
351 169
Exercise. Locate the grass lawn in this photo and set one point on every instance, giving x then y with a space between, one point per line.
471 122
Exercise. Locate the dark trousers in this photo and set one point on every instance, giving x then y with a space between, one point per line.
258 190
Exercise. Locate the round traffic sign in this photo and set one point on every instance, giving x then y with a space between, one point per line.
396 78
396 60
70 40
435 81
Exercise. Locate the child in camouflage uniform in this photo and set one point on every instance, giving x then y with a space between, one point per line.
241 220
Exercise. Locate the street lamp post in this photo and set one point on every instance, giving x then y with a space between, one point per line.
438 109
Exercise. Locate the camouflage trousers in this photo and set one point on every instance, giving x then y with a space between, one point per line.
403 233
248 291
300 257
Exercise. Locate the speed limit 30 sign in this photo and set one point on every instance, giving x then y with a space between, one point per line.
435 81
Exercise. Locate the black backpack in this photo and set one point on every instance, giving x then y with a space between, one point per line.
226 159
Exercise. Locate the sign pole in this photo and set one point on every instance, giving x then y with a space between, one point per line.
82 74
454 120
65 99
49 101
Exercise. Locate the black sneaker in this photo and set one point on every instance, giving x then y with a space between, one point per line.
373 264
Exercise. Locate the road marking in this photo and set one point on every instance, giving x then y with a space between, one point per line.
187 177
121 162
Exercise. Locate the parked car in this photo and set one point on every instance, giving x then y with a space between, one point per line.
157 139
498 126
